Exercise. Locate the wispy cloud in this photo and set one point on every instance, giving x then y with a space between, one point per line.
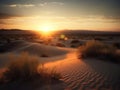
7 16
51 3
20 5
57 3
2 22
33 5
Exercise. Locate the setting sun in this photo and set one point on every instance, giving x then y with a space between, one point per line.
46 29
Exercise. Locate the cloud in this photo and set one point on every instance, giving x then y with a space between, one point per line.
43 4
7 16
33 5
2 22
51 3
57 3
20 5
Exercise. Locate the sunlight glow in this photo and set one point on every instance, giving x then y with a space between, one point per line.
47 29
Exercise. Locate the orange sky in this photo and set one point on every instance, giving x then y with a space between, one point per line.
58 23
57 15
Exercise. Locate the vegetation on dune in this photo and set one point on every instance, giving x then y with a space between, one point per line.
117 45
60 45
44 55
73 46
47 74
97 49
75 41
25 68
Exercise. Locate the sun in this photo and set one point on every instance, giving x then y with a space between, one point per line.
46 29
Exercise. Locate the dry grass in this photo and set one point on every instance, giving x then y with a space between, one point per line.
24 67
97 49
21 67
48 74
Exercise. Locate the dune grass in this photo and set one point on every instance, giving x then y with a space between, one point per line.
97 49
24 67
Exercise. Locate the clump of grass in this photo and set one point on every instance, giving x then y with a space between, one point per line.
21 67
25 67
48 74
75 41
44 55
97 49
73 46
60 45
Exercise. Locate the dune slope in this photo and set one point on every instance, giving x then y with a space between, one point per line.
32 48
76 74
87 74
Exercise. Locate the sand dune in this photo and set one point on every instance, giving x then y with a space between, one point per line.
38 49
87 74
8 47
77 74
33 48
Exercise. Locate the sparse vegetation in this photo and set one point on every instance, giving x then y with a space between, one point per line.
47 74
22 68
44 55
97 49
26 68
60 45
117 45
75 41
73 46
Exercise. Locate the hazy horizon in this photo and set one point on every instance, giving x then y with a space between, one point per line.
98 15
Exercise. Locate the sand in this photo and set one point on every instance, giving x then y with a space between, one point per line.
77 74
87 74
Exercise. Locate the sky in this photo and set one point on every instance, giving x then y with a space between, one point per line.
60 14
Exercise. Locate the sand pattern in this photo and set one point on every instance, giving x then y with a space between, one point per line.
88 74
77 74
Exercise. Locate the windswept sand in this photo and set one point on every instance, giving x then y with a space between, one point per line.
76 74
87 74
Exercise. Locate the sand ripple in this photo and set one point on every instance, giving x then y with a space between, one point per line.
88 74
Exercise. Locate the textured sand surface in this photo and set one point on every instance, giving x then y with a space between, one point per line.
76 74
87 74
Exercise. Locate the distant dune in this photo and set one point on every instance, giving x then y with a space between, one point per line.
39 50
69 32
33 48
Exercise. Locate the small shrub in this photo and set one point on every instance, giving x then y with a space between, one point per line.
25 67
55 75
99 38
117 45
60 45
44 55
96 49
45 73
74 41
73 46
